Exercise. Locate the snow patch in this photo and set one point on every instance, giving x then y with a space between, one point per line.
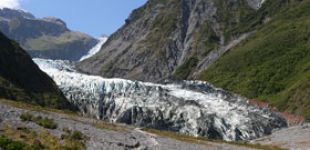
95 49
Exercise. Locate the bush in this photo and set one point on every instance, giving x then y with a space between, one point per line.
77 135
73 135
26 117
74 140
44 122
8 144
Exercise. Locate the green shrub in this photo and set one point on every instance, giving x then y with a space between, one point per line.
26 117
74 140
273 63
185 69
44 122
8 144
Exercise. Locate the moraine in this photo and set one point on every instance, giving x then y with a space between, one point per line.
192 107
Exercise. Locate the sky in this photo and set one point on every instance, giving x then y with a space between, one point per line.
95 17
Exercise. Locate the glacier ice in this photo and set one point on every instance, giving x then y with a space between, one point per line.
95 49
192 107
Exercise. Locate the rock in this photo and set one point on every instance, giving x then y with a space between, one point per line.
171 39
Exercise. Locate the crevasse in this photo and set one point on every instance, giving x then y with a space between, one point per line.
191 107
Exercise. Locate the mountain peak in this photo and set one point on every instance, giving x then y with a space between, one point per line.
55 20
10 13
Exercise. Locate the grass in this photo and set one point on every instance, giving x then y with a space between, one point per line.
185 70
71 115
74 140
38 140
32 107
46 42
208 142
164 23
272 65
9 144
110 126
42 121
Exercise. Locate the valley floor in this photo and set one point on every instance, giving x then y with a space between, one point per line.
295 137
102 135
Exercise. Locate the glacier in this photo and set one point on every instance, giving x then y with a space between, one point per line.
95 49
191 107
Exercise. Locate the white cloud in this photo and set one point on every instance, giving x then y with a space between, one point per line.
10 4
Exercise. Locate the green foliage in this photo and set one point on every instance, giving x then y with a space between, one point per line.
47 42
164 23
74 140
273 63
8 144
234 15
26 117
205 40
184 70
42 121
206 141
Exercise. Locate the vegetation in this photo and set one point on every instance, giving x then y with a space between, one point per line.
31 140
162 26
272 64
74 140
48 42
8 144
22 80
42 121
111 126
184 70
206 141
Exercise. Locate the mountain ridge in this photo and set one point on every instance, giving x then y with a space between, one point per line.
168 34
47 37
22 80
181 40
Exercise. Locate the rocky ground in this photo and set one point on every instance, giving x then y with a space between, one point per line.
101 135
116 137
295 137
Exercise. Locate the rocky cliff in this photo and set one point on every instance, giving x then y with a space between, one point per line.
22 80
172 38
191 107
258 48
45 38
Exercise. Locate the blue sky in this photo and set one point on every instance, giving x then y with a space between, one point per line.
95 17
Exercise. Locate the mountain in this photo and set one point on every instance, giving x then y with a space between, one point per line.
44 38
191 107
273 64
257 48
169 38
22 80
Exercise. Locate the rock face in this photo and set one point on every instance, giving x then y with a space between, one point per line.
192 107
171 39
22 80
45 38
